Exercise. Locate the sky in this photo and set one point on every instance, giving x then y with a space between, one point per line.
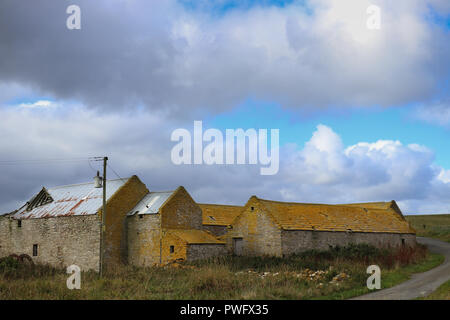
363 114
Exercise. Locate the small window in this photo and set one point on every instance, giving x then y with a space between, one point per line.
35 250
19 223
403 242
172 249
141 216
252 208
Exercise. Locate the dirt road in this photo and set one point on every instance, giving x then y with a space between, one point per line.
420 284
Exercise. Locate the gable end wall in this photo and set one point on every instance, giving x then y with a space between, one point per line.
261 236
181 212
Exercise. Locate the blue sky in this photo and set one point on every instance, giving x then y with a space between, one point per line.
360 125
355 125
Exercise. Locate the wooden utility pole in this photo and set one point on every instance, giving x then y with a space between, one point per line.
103 227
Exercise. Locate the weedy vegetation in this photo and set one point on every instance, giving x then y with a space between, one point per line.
337 273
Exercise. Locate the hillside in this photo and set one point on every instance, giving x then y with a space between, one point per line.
433 225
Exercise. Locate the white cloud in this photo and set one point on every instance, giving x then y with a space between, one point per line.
434 113
324 170
378 171
38 104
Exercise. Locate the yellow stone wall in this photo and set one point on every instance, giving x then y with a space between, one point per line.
148 239
117 207
260 234
144 239
181 212
180 247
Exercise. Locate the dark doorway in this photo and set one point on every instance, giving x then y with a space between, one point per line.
238 245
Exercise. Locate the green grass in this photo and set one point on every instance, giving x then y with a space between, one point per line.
392 277
442 293
432 226
225 277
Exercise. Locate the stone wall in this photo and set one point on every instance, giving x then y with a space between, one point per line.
118 205
61 241
181 212
205 251
295 241
144 239
5 244
261 236
179 247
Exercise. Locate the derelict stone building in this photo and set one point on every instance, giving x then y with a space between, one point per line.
281 228
62 226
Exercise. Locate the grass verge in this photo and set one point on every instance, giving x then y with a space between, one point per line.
392 277
442 293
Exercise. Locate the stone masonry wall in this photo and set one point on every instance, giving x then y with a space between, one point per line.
205 251
181 212
295 241
144 239
117 207
260 234
179 247
61 241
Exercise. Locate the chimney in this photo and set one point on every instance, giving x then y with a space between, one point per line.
97 180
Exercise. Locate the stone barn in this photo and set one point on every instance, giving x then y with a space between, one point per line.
61 226
280 228
218 218
167 226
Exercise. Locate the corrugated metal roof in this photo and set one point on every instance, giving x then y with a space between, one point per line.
151 203
72 200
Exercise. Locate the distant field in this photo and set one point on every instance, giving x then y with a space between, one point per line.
433 225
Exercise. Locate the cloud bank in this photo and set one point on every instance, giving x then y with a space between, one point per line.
163 55
322 169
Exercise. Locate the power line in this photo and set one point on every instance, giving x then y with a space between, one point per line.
47 161
109 166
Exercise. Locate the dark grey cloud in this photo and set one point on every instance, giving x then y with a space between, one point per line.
121 57
159 55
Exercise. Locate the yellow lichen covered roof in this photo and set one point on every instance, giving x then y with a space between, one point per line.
194 236
219 215
322 217
371 205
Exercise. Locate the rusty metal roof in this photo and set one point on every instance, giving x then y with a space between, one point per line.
151 203
72 200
